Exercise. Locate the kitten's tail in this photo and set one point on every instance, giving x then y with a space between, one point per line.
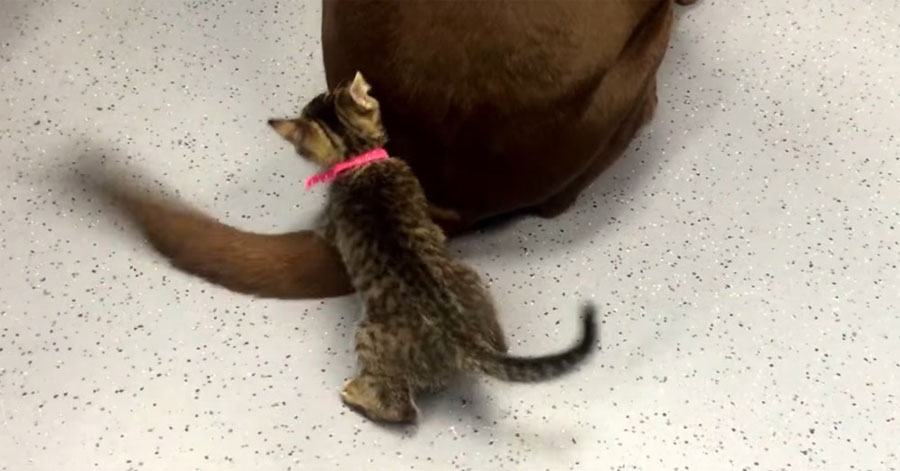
291 265
541 368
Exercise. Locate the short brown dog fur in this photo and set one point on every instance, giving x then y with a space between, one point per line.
471 91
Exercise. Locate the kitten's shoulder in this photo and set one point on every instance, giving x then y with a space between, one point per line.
392 170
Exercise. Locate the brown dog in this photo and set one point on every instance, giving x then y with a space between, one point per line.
469 91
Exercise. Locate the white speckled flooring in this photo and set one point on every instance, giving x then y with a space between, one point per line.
745 255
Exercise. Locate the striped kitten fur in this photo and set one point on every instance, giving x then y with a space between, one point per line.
428 317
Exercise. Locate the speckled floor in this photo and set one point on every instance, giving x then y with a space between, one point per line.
745 255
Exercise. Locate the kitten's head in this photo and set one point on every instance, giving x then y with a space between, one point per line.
335 125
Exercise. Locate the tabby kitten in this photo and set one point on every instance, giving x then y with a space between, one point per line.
427 317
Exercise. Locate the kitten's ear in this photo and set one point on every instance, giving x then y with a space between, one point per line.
359 91
288 129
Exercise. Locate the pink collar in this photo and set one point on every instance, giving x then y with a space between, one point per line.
373 155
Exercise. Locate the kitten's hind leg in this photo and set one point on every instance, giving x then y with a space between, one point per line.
380 398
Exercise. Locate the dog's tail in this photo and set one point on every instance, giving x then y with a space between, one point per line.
292 265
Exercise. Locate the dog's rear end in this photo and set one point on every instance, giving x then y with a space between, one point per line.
450 77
